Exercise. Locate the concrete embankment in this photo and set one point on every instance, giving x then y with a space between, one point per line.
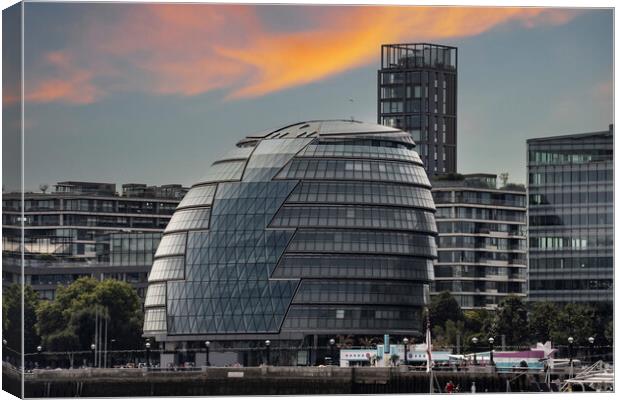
252 381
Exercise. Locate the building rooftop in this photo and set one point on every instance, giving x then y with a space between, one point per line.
575 136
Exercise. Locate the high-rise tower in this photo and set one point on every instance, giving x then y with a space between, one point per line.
417 93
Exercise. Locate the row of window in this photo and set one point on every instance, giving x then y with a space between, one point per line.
355 170
571 177
475 197
577 156
573 242
224 171
193 218
221 324
491 214
199 196
478 242
479 271
469 227
360 267
86 220
359 151
572 284
361 192
155 319
571 219
92 205
369 292
480 286
355 217
586 195
171 244
479 257
570 263
363 242
155 295
168 268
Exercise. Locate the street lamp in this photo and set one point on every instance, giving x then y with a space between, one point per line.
591 341
39 348
267 344
570 355
474 340
332 343
92 349
148 353
491 341
405 343
207 345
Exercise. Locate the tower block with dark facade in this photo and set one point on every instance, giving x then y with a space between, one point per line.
417 94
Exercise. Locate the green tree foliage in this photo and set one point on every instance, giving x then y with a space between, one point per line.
12 318
609 332
69 320
479 322
445 336
511 320
443 308
541 320
576 320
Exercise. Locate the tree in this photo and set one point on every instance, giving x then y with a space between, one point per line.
511 321
446 336
12 325
69 319
541 320
444 307
576 321
609 332
504 178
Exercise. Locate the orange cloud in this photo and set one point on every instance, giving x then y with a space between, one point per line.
71 85
189 49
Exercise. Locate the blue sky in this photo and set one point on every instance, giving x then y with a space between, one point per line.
112 97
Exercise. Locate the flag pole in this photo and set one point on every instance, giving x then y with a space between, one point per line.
429 362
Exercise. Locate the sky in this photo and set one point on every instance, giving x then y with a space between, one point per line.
154 93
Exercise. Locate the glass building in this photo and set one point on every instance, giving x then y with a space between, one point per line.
417 93
482 241
571 217
312 231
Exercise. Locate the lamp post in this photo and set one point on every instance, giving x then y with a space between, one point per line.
591 341
332 344
39 363
474 340
148 353
92 349
207 345
267 344
570 355
405 343
491 341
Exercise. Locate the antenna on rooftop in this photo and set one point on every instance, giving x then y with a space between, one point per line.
351 101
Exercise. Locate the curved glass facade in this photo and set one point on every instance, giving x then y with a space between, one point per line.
323 227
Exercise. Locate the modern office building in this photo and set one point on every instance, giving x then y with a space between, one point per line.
571 217
83 229
417 87
482 243
317 230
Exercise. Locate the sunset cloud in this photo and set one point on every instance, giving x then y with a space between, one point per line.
68 83
186 50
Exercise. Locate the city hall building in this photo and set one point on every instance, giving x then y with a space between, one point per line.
316 231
